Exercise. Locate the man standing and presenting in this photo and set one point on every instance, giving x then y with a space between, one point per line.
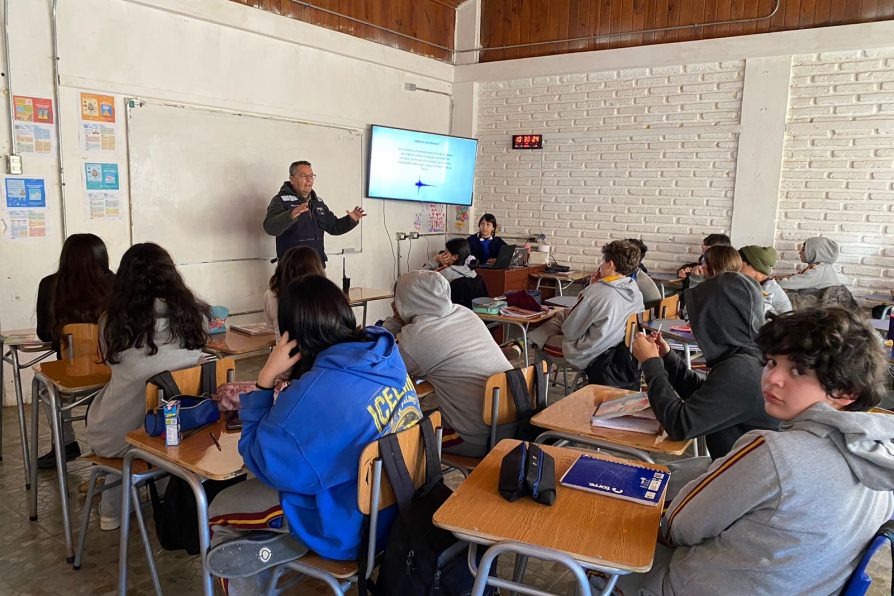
298 217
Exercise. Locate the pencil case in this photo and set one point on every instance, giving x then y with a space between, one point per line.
512 473
540 475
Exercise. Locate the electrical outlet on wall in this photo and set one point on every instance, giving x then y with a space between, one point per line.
14 165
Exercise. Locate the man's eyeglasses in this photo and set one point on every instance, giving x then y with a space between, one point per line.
307 176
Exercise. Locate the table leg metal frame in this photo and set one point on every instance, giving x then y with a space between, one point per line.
483 578
195 483
12 357
552 435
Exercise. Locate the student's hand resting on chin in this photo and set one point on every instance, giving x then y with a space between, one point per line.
279 362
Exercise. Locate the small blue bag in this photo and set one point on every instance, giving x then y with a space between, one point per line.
195 410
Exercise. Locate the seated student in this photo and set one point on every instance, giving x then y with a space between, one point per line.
455 261
297 261
648 288
349 387
697 269
153 323
589 334
485 245
819 253
725 312
757 263
450 347
790 512
76 293
720 259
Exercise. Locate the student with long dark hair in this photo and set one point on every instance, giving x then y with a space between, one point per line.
349 387
297 261
153 323
455 261
76 293
485 245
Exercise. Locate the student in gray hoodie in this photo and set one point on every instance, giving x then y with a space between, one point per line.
450 347
790 512
819 253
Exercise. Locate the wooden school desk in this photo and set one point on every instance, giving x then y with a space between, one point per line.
521 324
611 535
684 338
196 458
500 281
25 341
363 296
569 420
561 281
233 343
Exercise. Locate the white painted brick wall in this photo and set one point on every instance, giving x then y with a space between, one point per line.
603 173
838 170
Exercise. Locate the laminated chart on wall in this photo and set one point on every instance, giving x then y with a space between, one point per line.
458 216
98 128
103 196
33 121
25 216
430 218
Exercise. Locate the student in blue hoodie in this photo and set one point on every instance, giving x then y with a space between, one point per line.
349 387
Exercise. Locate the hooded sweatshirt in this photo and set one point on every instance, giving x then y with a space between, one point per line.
450 347
307 444
598 320
725 312
787 512
819 254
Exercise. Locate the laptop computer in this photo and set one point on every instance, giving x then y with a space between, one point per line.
503 260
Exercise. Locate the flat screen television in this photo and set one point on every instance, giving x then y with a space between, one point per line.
410 165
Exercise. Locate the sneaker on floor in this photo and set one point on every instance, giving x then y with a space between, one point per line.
107 523
47 461
253 553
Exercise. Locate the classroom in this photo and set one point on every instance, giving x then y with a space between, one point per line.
742 143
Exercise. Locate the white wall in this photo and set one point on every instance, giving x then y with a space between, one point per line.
769 138
209 53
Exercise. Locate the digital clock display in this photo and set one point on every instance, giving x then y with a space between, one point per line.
527 141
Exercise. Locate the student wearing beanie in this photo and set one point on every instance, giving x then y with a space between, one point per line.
757 263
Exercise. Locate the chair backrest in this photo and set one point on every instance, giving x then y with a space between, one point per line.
189 380
506 405
80 340
632 325
859 581
413 450
669 307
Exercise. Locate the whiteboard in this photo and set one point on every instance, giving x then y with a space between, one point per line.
201 179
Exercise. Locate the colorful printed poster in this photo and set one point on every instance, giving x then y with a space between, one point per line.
25 193
431 219
98 136
34 138
103 205
97 108
460 218
101 176
23 224
33 109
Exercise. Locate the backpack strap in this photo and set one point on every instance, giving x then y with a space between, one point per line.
433 474
165 381
518 387
396 470
209 378
540 385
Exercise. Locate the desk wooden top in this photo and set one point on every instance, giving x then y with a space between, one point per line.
197 453
562 276
665 326
664 276
22 338
884 298
519 320
234 343
80 374
357 296
424 389
592 528
571 415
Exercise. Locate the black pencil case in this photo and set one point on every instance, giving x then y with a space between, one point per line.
512 473
540 475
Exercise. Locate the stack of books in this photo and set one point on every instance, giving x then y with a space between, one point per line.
631 412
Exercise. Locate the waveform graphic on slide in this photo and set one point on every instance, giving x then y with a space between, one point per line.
419 184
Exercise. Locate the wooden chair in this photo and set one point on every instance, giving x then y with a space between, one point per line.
497 385
669 307
189 381
632 326
373 495
80 340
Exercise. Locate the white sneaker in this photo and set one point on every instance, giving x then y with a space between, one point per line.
108 523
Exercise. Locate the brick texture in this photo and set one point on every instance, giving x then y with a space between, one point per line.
838 170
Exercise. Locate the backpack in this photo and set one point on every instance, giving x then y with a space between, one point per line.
615 368
525 405
420 559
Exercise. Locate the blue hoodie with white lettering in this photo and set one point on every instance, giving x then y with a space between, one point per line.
307 444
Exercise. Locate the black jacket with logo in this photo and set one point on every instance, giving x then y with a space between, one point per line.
308 228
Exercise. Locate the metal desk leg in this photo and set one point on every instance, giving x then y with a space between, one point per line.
20 406
365 304
524 330
482 577
35 416
61 467
688 349
2 392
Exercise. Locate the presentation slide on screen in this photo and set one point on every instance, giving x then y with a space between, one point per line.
418 166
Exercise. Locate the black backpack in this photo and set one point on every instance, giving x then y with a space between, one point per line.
615 367
526 405
176 520
420 559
